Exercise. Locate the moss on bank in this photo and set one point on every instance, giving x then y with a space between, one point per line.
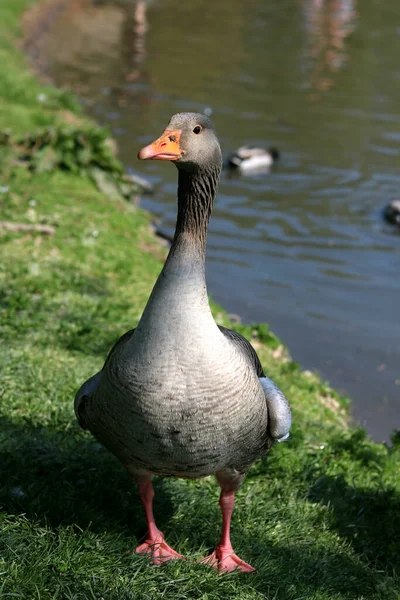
319 517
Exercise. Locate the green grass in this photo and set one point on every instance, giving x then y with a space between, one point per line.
319 517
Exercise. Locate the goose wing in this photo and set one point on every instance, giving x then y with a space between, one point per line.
280 417
88 388
244 347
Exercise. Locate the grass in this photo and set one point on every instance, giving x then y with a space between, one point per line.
319 517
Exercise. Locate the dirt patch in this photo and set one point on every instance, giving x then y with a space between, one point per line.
57 32
37 21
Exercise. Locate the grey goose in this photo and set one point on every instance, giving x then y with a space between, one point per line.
180 396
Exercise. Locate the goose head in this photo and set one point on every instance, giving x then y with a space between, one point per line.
189 141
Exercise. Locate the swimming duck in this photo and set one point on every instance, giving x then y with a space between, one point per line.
180 396
249 158
391 212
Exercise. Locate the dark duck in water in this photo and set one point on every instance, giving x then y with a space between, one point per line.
391 212
180 396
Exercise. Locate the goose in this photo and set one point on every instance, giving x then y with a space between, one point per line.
249 158
391 212
180 396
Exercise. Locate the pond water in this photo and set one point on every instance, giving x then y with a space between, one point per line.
305 247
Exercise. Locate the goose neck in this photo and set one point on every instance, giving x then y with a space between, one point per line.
196 194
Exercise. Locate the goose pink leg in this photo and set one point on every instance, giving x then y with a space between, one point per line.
155 544
223 558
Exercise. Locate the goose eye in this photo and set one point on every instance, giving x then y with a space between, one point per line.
197 129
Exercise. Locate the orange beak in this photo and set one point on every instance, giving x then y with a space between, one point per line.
165 148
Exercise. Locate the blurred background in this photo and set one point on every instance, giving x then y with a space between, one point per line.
303 248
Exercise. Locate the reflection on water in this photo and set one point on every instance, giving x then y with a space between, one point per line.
134 40
327 23
303 248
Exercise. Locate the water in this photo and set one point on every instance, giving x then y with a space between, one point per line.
303 248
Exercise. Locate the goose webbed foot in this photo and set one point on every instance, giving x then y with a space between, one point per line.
155 545
157 548
225 560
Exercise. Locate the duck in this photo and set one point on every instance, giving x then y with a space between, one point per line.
181 396
391 212
250 158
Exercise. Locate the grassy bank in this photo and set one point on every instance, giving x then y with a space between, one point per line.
319 517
